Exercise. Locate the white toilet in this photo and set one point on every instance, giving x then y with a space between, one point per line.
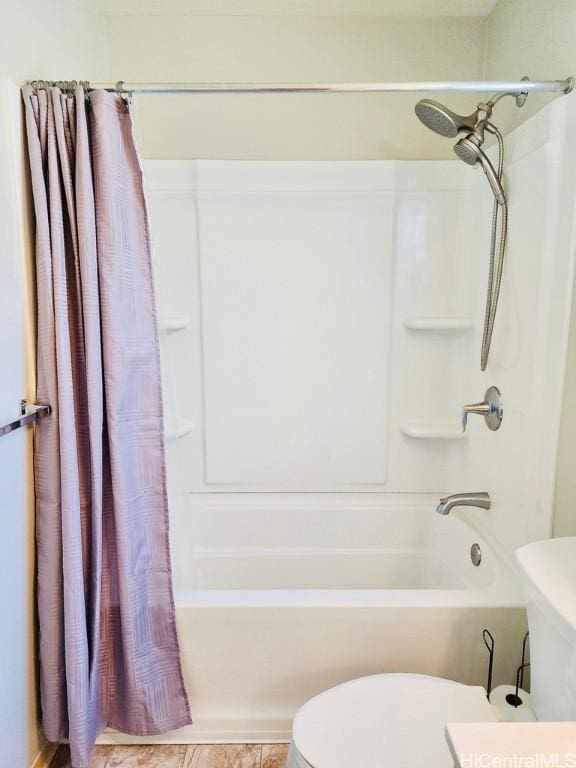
399 719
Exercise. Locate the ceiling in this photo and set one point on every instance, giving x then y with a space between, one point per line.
412 8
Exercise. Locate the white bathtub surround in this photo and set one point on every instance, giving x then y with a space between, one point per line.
335 315
303 544
297 278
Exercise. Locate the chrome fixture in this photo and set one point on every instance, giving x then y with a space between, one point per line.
443 121
481 500
29 413
491 408
468 149
446 123
475 555
516 88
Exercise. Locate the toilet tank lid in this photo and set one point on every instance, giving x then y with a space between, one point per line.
550 568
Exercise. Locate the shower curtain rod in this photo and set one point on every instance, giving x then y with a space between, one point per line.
509 86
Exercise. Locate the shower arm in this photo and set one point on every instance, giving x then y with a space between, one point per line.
520 95
487 106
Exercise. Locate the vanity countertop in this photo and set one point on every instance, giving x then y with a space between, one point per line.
512 745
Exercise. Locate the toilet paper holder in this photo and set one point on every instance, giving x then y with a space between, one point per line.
514 699
488 638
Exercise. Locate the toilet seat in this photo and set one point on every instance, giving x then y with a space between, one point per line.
384 720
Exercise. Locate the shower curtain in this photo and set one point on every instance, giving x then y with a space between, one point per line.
108 645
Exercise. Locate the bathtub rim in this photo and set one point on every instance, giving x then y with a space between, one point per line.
495 596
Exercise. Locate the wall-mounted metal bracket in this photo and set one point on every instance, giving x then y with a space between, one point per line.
29 413
522 95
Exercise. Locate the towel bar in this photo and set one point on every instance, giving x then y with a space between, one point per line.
29 413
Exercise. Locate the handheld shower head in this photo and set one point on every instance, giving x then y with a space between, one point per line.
442 120
469 150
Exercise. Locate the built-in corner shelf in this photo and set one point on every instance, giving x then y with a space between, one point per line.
432 430
175 324
439 324
182 429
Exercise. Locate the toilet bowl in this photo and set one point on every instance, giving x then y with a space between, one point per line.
399 720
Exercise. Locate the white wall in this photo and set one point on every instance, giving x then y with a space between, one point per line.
19 739
61 39
534 38
44 39
537 37
333 41
164 48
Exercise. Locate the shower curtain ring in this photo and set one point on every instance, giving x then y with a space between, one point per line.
123 93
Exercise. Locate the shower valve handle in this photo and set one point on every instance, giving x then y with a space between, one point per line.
491 408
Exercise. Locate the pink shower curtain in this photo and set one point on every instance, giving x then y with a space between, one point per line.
108 646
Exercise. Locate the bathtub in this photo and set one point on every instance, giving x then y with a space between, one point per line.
305 594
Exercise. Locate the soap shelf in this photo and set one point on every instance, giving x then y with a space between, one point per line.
182 429
175 324
432 430
439 324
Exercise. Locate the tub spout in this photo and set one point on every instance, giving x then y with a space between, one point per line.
481 500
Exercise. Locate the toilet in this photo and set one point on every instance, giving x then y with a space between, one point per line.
399 719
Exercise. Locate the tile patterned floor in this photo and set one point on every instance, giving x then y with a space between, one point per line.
183 756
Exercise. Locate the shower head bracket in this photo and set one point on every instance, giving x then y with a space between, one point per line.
519 96
522 96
